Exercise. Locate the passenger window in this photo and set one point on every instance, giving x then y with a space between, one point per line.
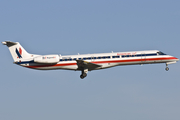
143 54
138 55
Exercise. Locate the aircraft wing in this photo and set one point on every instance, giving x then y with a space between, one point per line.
86 65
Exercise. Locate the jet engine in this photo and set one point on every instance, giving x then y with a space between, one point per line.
47 59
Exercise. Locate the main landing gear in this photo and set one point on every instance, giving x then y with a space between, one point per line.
166 67
83 73
82 76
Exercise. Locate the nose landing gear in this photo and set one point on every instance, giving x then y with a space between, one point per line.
166 68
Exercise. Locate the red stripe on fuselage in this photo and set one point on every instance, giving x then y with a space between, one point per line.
136 60
111 61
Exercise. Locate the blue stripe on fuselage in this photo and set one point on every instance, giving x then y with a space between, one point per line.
25 62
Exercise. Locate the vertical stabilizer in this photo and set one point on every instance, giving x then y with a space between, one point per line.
17 51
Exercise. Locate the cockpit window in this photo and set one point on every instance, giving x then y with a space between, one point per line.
161 53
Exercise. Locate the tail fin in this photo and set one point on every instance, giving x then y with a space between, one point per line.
17 51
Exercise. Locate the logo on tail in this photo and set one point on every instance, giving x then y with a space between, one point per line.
19 53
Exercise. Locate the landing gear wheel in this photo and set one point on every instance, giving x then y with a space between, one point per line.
167 68
82 76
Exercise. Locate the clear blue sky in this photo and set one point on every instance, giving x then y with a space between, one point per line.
67 27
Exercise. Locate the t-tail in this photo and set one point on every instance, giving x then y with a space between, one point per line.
17 51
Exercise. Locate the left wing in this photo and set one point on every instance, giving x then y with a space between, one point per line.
86 65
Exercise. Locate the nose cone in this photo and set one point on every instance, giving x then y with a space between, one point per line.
176 59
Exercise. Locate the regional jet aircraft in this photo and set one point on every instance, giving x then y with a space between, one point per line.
86 62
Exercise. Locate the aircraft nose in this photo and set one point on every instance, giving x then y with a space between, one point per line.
176 59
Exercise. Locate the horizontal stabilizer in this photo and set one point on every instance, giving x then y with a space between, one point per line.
9 43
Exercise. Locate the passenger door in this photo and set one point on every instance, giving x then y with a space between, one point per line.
143 57
92 58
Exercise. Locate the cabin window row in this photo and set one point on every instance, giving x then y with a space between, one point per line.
86 58
139 55
108 57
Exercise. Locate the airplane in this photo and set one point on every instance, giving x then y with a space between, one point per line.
86 62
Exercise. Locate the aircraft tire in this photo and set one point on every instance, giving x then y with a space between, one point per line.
167 69
82 76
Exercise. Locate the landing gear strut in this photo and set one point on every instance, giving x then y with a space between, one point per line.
166 67
83 73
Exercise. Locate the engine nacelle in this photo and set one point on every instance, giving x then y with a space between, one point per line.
47 59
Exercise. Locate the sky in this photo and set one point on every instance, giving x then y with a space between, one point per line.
70 27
